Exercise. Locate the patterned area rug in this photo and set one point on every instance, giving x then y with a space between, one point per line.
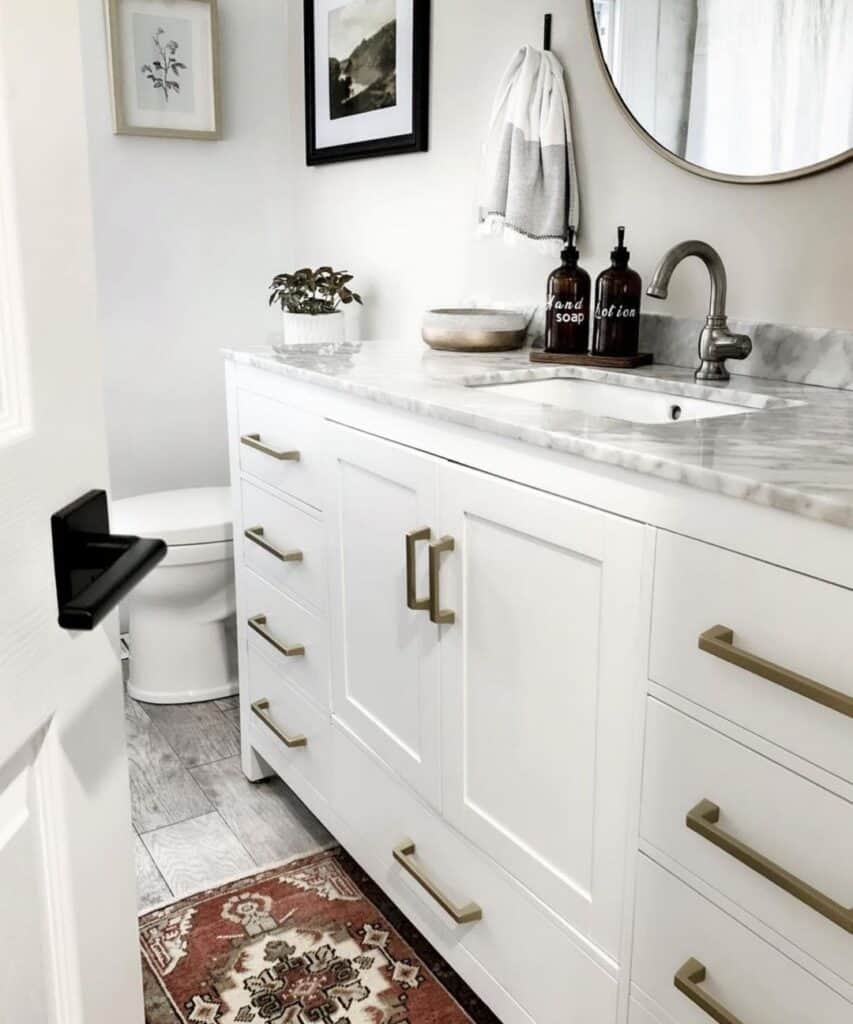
312 942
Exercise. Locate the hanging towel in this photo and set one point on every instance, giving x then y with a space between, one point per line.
529 189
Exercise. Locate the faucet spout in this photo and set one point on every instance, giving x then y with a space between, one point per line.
716 343
659 288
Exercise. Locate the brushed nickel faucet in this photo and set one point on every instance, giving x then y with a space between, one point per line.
716 342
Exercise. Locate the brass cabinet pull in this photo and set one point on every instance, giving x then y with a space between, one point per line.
441 617
259 624
403 855
262 709
254 441
688 980
703 820
412 600
719 641
256 535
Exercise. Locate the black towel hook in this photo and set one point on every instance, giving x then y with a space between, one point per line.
548 21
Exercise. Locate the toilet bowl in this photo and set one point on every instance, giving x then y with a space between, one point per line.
181 617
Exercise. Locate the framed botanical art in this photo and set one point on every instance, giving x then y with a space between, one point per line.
164 67
366 78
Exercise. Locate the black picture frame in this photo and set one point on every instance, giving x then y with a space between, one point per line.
417 141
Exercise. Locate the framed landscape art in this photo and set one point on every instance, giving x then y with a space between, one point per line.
366 78
164 67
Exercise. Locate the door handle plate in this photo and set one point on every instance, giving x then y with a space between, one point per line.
404 856
93 568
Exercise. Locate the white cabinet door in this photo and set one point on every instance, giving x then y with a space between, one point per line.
539 678
69 942
385 655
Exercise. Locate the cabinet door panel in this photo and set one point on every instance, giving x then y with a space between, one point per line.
385 675
538 678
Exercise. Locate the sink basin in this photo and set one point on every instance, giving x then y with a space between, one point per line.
629 402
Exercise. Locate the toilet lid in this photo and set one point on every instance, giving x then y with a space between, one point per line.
202 515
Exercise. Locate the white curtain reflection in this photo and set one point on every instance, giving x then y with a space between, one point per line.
771 84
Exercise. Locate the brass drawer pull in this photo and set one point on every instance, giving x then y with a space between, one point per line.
403 855
719 641
254 441
703 820
262 709
688 980
412 600
256 535
259 624
441 617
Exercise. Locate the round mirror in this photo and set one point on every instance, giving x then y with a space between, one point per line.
738 90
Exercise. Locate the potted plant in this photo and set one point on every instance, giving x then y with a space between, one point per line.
311 302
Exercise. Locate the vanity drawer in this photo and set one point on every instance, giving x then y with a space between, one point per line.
282 629
287 730
282 446
284 544
800 827
516 942
753 981
797 624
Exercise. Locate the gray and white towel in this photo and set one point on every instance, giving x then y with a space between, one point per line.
529 189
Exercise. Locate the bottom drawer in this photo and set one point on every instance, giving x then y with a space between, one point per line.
745 977
287 730
516 942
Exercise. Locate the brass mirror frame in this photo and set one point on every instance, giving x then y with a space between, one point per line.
703 172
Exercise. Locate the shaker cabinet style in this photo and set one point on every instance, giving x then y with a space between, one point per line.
386 686
604 767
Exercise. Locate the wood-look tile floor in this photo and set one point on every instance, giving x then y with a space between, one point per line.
198 820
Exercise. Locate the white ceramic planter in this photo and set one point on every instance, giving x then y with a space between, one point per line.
314 331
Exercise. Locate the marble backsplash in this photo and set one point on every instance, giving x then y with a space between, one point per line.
798 355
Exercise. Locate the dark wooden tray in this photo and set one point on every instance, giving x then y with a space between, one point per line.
608 362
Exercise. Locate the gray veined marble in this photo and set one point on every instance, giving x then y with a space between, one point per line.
795 455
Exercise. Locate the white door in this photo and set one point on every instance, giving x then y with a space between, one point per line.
539 680
67 901
385 674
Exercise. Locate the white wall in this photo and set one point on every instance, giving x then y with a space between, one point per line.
188 236
405 224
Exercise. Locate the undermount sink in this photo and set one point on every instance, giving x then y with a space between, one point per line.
629 402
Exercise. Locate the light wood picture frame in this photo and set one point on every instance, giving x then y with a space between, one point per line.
164 68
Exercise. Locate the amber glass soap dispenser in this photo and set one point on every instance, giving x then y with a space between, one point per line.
569 290
618 294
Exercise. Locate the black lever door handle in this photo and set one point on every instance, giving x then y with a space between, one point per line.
95 569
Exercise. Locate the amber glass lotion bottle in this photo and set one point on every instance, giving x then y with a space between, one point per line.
618 295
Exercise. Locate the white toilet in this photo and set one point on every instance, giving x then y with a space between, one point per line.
181 617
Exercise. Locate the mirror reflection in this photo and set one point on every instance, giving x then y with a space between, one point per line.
737 87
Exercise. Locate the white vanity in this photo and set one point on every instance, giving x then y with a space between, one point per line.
576 692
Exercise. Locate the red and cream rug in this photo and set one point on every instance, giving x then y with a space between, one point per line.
312 942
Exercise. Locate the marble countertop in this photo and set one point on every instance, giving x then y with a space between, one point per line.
794 452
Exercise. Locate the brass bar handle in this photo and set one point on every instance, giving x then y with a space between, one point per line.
403 855
259 624
441 617
703 821
254 441
719 641
256 535
688 980
417 604
262 709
